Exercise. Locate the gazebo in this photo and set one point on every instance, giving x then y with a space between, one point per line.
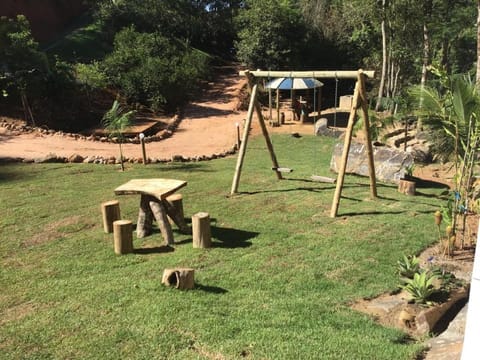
292 84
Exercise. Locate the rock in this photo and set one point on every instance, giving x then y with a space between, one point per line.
178 158
75 158
321 128
49 158
421 153
390 164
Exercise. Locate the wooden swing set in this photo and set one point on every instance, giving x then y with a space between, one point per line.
359 101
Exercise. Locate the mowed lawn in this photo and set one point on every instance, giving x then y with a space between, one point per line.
276 285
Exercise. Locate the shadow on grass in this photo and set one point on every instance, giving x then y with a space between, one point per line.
227 237
429 184
232 238
178 165
154 250
10 172
210 289
363 213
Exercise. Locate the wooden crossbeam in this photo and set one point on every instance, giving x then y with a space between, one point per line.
343 74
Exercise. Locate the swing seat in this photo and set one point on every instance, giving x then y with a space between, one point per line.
282 169
323 179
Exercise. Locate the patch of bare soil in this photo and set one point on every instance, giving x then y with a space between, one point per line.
57 230
208 127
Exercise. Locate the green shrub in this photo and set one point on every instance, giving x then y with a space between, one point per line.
150 69
420 287
408 266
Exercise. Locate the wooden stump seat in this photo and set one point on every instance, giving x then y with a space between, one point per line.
122 237
110 213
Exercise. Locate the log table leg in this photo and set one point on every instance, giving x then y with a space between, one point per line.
145 217
160 214
174 207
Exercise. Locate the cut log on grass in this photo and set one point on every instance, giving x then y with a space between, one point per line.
180 278
122 237
202 237
110 213
406 187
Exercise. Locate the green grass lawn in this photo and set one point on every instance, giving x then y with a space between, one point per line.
276 285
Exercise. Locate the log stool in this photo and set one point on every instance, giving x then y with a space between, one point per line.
122 237
110 213
202 237
406 187
180 278
175 212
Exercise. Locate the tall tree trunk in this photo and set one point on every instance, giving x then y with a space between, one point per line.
384 58
478 42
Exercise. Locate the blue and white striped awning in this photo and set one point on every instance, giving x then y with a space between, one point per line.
293 83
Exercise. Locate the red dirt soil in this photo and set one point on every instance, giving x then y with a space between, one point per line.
208 127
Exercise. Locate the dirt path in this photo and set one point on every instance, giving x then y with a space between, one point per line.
208 127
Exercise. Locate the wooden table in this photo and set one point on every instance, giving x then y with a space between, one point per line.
153 203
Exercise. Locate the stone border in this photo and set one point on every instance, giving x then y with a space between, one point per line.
111 160
164 134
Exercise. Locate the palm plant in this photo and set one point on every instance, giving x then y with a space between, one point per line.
115 121
451 113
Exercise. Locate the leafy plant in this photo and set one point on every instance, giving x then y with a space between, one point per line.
115 122
420 287
408 266
409 170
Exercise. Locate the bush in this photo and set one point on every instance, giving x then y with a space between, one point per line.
150 69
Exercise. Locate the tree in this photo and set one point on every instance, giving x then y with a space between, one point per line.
478 42
270 34
115 121
23 67
150 69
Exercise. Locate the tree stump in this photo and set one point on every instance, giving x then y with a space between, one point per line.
406 187
202 237
110 213
180 278
122 237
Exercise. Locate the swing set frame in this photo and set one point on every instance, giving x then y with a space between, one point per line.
360 101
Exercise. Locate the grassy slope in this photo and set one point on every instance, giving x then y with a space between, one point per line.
276 284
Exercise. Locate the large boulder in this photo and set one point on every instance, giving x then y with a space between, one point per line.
390 164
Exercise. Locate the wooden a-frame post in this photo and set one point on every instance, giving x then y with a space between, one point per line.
359 100
253 105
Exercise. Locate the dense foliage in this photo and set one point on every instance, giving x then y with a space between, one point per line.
149 68
156 52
